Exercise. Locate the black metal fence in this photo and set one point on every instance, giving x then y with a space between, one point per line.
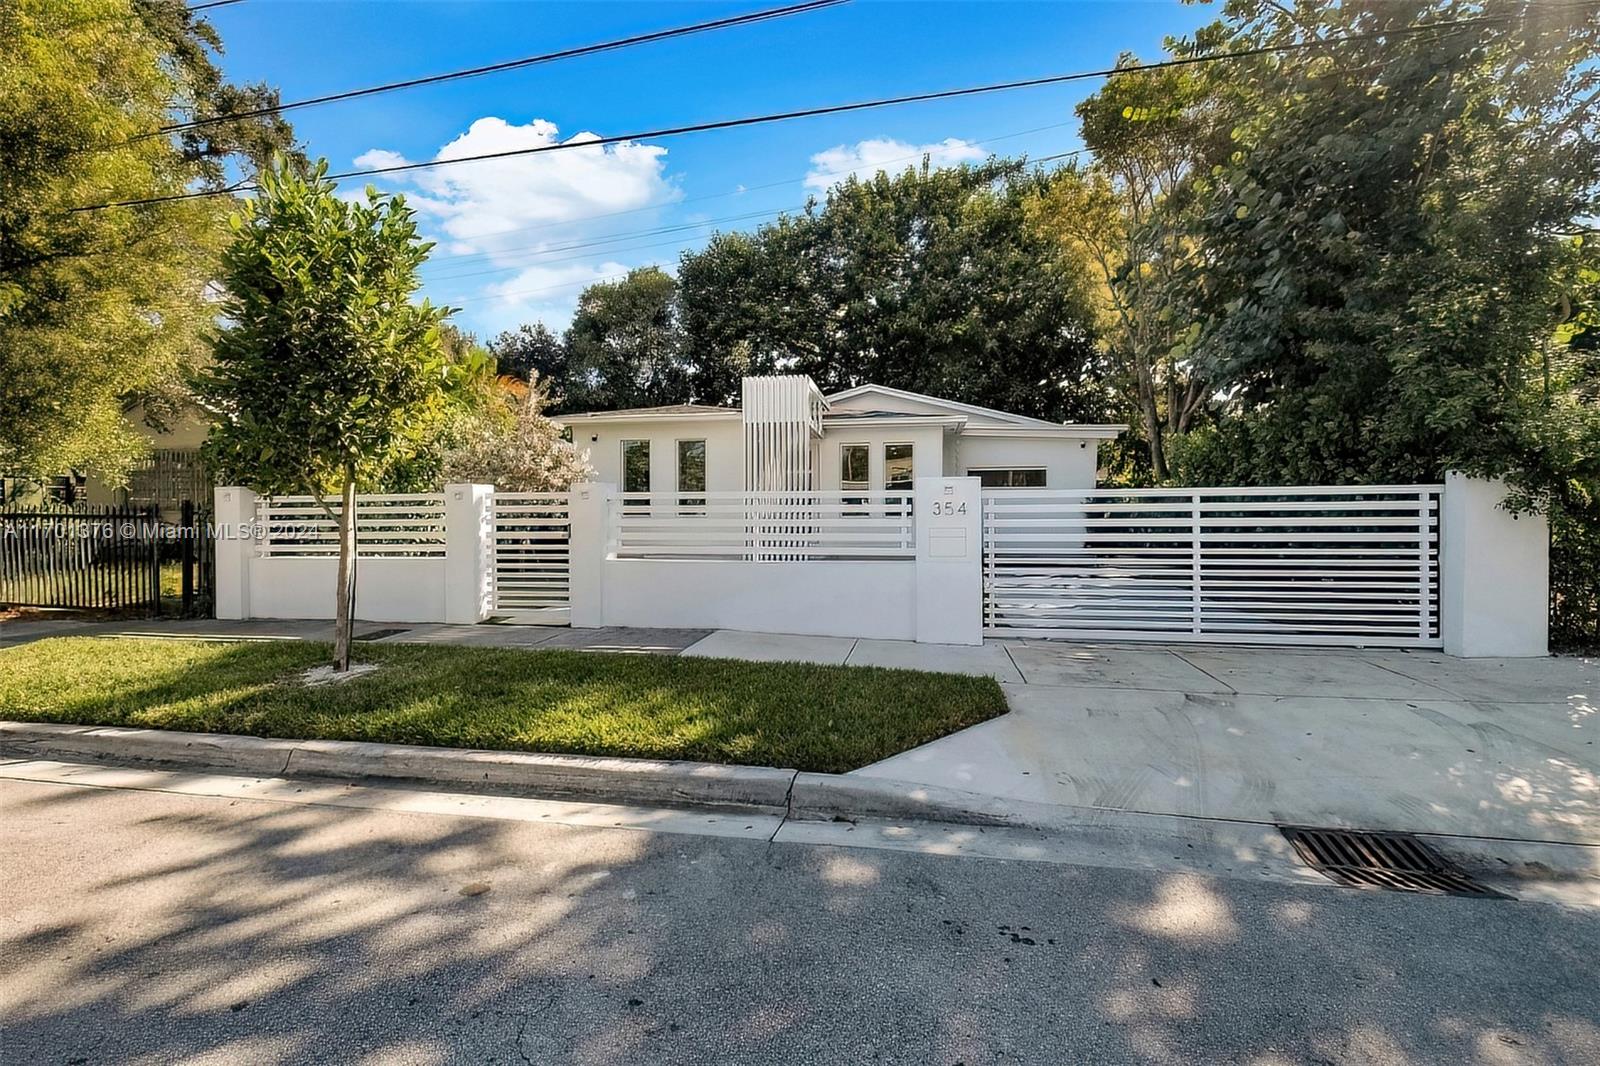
119 559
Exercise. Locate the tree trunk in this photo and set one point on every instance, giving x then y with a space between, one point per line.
1150 415
344 606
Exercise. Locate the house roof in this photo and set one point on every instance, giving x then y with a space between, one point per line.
676 410
896 418
1012 424
950 413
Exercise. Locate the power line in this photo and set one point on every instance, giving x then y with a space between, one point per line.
602 243
535 255
657 244
832 109
215 3
577 283
494 68
742 190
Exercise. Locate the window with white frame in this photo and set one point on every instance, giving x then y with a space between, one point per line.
897 470
1013 478
692 472
854 471
635 466
854 460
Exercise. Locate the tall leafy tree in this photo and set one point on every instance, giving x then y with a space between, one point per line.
931 281
1384 255
103 309
326 374
533 351
1125 214
624 347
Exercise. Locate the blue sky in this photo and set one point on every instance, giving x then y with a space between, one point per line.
518 239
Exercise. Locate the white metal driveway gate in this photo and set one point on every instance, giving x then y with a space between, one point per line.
1355 565
531 556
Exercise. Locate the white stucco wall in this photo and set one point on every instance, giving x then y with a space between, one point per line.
724 450
387 590
846 598
1069 462
1494 573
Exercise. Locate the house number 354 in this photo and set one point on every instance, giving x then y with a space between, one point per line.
948 507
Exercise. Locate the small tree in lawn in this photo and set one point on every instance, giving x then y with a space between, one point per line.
324 371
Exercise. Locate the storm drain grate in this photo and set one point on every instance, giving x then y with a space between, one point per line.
379 634
1396 861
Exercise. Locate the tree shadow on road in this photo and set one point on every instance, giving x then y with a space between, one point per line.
187 929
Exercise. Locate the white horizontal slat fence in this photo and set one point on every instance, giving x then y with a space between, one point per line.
389 525
1292 565
764 527
533 555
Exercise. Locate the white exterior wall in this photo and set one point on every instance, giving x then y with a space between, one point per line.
724 450
874 599
1068 462
927 452
1494 573
387 590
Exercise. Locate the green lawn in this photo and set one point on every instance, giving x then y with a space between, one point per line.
825 718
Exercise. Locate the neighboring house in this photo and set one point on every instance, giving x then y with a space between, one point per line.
170 474
871 438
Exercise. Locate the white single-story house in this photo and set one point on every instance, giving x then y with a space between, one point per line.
870 438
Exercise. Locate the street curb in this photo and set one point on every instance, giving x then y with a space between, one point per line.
611 780
831 797
800 796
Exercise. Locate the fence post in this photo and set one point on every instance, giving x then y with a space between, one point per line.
1195 559
468 553
588 546
1494 573
948 513
235 515
187 531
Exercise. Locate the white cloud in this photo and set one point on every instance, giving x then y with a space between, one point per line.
546 293
866 158
505 212
496 203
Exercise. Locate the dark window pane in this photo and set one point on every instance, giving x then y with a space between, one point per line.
853 466
691 466
635 466
1009 479
897 466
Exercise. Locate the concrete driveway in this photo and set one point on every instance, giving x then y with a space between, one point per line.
1370 739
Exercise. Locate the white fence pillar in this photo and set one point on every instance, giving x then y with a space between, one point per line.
469 553
234 515
1494 573
588 546
949 516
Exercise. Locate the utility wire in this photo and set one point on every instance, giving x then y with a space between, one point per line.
535 255
215 3
747 19
463 256
658 244
833 109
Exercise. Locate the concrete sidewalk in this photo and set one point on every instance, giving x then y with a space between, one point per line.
1373 739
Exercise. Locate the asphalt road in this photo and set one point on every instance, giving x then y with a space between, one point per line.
156 928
